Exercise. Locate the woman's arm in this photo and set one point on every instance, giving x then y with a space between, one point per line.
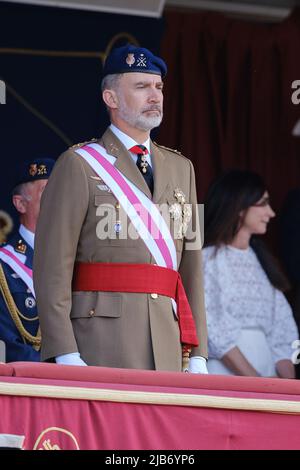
285 369
237 363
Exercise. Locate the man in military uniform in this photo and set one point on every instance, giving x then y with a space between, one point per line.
19 325
107 287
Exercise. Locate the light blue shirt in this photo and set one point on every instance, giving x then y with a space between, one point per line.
27 235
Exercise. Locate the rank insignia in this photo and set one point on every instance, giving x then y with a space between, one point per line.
130 60
113 148
21 247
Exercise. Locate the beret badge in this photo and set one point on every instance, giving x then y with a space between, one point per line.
33 169
130 60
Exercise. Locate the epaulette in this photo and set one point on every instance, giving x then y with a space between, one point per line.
81 144
167 148
20 246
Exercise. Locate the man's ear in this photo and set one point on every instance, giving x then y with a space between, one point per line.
20 203
110 98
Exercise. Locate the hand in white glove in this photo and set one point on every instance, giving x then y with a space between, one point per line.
71 359
197 365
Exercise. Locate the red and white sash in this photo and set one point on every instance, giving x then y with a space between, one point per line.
142 212
18 267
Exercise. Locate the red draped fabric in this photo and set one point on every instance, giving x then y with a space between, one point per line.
65 422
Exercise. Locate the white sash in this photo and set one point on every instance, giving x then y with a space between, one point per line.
18 267
144 215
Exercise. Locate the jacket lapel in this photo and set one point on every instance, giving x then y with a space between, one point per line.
124 162
160 170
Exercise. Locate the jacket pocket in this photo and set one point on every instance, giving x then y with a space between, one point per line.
96 304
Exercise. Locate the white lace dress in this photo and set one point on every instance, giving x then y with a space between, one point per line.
243 309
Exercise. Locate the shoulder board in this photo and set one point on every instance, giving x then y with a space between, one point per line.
167 148
81 144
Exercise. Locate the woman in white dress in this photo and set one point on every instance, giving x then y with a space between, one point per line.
251 329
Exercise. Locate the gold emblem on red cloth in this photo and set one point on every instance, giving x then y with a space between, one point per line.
130 60
56 438
181 213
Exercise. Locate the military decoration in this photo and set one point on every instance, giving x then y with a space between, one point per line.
144 164
181 213
118 224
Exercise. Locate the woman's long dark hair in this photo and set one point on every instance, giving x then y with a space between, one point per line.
231 193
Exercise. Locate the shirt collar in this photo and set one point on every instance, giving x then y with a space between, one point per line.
127 141
27 235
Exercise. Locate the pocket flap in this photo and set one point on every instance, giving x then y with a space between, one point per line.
96 304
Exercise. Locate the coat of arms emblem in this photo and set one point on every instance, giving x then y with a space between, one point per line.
130 60
33 169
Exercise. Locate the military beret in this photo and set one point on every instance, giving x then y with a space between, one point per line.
131 58
38 169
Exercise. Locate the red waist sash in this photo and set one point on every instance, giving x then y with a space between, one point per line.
143 278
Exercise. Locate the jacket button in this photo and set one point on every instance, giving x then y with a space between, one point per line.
92 312
154 296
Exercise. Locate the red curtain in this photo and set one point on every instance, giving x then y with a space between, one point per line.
228 96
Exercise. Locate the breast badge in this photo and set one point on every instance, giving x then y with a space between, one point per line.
181 213
30 302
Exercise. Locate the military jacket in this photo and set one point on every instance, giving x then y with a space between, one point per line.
17 348
112 329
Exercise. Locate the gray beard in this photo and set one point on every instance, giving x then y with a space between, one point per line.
139 121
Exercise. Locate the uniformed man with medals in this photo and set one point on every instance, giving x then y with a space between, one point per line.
19 324
118 279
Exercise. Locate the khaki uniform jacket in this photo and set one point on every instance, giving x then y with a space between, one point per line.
127 330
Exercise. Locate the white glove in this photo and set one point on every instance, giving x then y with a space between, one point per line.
197 365
71 359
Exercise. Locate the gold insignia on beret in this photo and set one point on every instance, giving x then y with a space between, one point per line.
130 60
42 170
21 247
33 169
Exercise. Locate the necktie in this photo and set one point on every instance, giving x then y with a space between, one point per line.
143 165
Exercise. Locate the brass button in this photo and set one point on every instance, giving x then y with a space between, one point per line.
154 296
92 312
